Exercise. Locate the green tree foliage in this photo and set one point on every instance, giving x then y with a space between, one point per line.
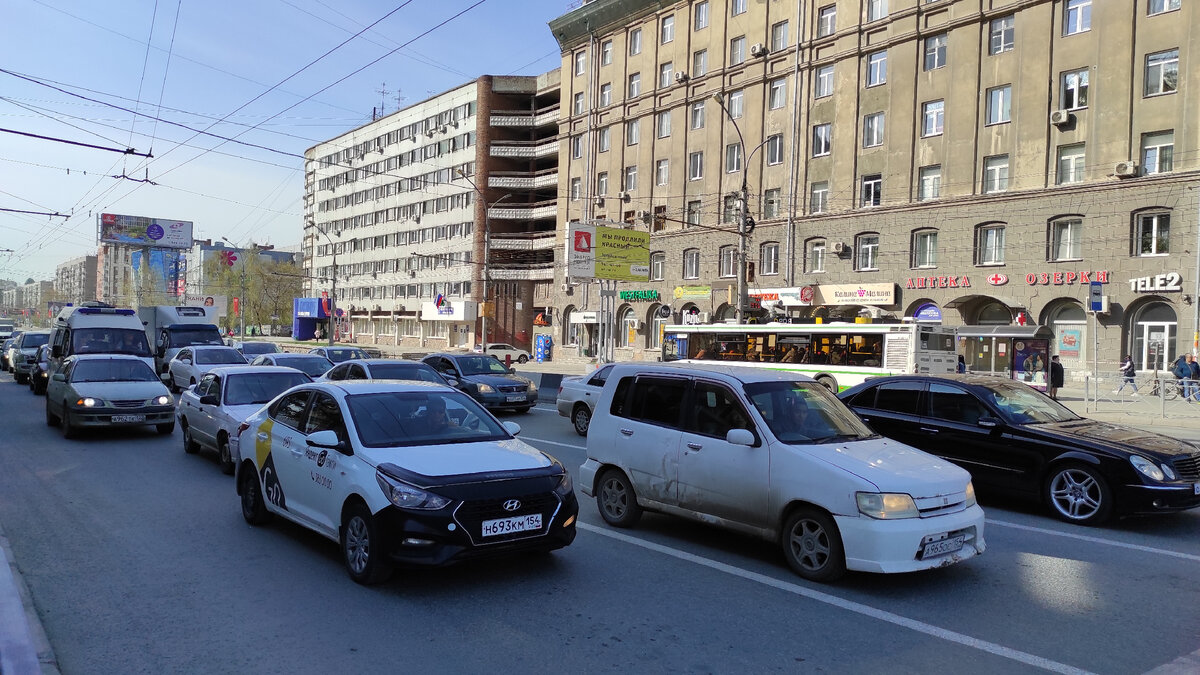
270 288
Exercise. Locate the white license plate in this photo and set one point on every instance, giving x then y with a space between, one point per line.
128 418
528 523
516 398
1196 488
936 548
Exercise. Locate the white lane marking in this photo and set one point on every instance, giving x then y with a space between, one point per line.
1188 664
542 440
1096 540
848 605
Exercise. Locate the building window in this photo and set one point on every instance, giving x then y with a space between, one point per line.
737 104
697 116
576 188
1065 239
602 183
876 9
1070 164
1001 35
775 149
635 85
933 116
777 93
819 197
606 52
771 203
779 36
823 82
606 94
692 214
822 139
873 130
1160 6
662 170
930 186
667 30
1153 235
999 104
691 263
1074 89
700 63
578 104
728 208
630 178
814 256
826 20
728 261
576 147
866 247
662 124
1162 72
604 139
1078 17
768 258
629 321
635 42
935 52
580 63
737 7
989 245
995 174
665 71
877 69
695 166
658 266
872 190
733 158
701 15
924 248
737 50
632 132
1158 151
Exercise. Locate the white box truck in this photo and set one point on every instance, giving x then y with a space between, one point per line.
170 328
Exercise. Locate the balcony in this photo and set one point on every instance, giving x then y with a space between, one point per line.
525 149
534 211
532 273
525 119
523 180
522 241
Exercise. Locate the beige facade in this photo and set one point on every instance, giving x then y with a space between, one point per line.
1033 143
75 279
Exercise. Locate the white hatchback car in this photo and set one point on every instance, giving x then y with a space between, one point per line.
503 349
777 456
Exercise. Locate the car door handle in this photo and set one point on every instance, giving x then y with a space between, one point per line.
261 436
932 431
694 446
627 432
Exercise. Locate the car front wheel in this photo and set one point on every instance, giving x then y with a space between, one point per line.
813 546
1079 494
522 359
362 547
616 500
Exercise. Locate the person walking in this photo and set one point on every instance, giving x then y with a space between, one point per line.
1183 372
1056 377
1195 379
962 365
1128 371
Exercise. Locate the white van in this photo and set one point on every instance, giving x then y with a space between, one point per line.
774 455
96 328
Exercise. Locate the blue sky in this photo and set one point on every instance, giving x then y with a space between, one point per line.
205 60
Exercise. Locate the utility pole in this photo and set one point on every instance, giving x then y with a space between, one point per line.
745 225
487 249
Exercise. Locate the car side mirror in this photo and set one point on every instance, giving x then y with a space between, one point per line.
512 371
186 362
453 381
324 439
988 422
740 437
512 428
209 399
58 377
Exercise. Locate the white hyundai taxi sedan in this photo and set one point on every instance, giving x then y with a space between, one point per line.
401 472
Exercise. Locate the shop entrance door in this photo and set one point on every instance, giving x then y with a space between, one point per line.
1155 342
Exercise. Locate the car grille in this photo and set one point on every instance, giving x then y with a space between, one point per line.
129 404
470 515
513 388
929 507
1188 468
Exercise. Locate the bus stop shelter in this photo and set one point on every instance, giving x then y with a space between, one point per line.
1018 352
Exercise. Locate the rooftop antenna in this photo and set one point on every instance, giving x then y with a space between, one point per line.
383 92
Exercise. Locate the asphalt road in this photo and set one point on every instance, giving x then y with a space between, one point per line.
138 561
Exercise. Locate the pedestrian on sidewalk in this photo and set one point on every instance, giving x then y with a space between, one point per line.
962 365
1183 373
1195 379
1128 371
1057 376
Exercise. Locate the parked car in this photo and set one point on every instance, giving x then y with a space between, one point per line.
191 363
339 354
385 369
252 349
107 390
313 365
5 347
487 380
1016 440
210 412
22 353
39 373
401 472
503 349
775 455
577 397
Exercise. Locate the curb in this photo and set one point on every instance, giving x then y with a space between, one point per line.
24 648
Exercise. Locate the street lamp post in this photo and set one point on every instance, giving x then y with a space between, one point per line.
333 292
242 300
744 225
487 250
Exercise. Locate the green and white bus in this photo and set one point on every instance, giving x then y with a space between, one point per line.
839 355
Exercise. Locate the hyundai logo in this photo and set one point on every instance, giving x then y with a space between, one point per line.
512 505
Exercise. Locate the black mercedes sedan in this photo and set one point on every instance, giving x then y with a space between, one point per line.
1016 440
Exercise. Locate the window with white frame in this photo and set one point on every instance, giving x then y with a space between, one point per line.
1001 35
629 324
665 73
1152 235
577 106
700 15
606 94
633 132
635 85
814 256
662 124
822 139
658 266
666 31
771 203
737 50
661 172
728 261
995 174
576 189
876 9
873 130
737 7
866 247
691 215
691 263
818 201
935 52
733 158
1070 164
768 258
602 183
1158 150
823 82
1074 93
604 139
933 116
576 147
1078 17
630 179
777 93
696 115
775 149
877 68
580 63
1160 6
606 53
1066 239
779 36
999 104
930 183
872 190
699 63
826 20
1162 72
989 244
737 105
924 248
635 42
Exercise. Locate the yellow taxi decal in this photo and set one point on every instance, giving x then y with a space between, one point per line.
262 446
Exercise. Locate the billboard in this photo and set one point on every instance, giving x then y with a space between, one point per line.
598 252
221 302
163 267
142 231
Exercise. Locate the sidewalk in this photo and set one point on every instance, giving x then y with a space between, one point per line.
24 649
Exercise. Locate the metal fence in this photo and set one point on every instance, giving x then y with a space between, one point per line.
1161 395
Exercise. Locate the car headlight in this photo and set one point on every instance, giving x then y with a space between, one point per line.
407 496
486 389
1146 467
886 505
565 485
970 500
532 387
87 402
163 400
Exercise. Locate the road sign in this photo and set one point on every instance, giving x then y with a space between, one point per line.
1096 296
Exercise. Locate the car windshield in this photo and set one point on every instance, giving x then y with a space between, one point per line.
337 355
405 371
314 365
113 370
1021 404
260 388
805 412
109 341
191 336
480 365
223 355
394 418
34 340
259 348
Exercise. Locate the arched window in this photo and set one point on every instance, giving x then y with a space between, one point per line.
989 244
768 258
657 324
866 251
691 263
728 261
658 266
924 248
994 314
629 325
814 255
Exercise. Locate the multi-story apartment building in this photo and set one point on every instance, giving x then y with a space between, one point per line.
75 280
978 163
114 274
426 206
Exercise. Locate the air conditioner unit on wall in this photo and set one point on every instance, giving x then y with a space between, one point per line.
681 77
1060 117
758 49
1127 169
600 201
839 248
639 324
623 196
